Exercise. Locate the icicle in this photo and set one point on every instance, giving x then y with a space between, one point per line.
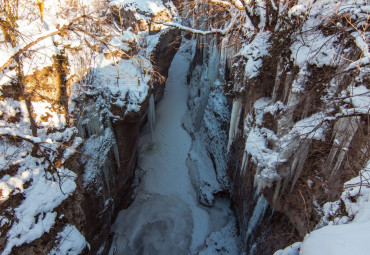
256 182
257 215
234 121
344 130
151 114
302 156
223 56
213 64
277 189
244 162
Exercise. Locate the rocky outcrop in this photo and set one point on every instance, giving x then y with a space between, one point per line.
162 57
297 133
299 141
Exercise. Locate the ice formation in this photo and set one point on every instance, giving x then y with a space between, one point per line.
166 216
344 131
258 213
234 121
151 114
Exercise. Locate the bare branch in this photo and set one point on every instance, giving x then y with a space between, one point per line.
197 31
192 30
25 48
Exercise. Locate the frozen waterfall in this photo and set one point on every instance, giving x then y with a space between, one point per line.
166 216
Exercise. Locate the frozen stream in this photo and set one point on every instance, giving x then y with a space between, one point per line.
166 217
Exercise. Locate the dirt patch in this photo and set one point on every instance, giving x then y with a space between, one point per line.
10 170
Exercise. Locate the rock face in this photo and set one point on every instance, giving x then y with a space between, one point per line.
298 141
162 57
297 130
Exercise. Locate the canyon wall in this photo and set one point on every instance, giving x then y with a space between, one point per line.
296 79
303 131
89 102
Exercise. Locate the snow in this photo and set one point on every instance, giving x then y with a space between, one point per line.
269 151
340 239
196 31
205 120
165 215
256 145
359 97
41 187
311 45
222 242
290 250
318 51
147 6
202 173
265 159
54 120
254 52
151 42
116 75
341 234
125 78
297 10
39 203
95 152
312 127
70 241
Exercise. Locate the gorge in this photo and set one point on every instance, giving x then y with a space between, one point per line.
185 127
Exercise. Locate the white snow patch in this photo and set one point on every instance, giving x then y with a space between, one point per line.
290 250
147 6
70 241
254 52
359 97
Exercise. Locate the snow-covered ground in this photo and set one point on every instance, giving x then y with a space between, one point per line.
166 217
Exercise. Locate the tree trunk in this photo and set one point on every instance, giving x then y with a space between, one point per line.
27 98
8 25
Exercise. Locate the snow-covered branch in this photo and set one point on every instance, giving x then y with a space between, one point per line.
197 31
192 30
9 133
